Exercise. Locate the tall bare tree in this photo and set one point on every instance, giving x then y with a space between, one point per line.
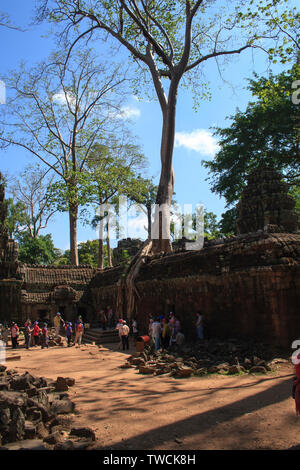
172 40
32 188
57 111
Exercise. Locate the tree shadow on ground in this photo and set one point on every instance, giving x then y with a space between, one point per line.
204 422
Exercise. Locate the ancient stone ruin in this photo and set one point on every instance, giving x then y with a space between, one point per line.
34 411
246 286
265 204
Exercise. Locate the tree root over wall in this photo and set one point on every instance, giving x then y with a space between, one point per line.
127 290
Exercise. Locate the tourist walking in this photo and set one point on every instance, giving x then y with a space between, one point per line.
79 328
58 321
44 337
36 333
156 330
27 334
14 331
69 333
125 334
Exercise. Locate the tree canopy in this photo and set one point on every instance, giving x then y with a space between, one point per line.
267 132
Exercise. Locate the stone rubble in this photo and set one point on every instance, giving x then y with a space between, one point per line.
209 357
34 413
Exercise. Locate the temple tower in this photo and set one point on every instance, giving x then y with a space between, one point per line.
266 205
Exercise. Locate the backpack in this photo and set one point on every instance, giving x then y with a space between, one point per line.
79 327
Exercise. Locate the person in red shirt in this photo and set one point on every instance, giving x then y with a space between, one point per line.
79 328
36 333
296 385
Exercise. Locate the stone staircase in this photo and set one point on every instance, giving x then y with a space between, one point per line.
98 336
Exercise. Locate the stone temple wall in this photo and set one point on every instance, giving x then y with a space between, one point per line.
245 286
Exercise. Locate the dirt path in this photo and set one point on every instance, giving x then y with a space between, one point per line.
131 411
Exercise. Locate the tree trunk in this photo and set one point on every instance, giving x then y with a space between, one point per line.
161 236
108 243
149 220
73 216
101 232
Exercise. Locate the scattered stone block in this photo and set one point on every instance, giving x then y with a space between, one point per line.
184 372
258 370
70 382
62 406
54 438
146 370
83 432
30 430
61 384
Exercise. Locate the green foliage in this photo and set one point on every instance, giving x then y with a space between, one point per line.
211 229
124 258
192 221
265 134
282 25
16 216
38 250
88 253
227 222
111 170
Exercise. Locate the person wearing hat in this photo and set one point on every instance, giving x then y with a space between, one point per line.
57 322
124 335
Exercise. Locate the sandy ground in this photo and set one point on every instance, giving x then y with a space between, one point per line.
132 411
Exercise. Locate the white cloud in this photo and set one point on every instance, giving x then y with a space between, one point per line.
128 112
2 92
199 140
61 97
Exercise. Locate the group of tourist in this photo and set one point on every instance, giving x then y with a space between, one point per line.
37 334
166 331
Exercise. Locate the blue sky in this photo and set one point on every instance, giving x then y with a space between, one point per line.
194 141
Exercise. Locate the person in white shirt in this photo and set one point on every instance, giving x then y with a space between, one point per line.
156 330
124 334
